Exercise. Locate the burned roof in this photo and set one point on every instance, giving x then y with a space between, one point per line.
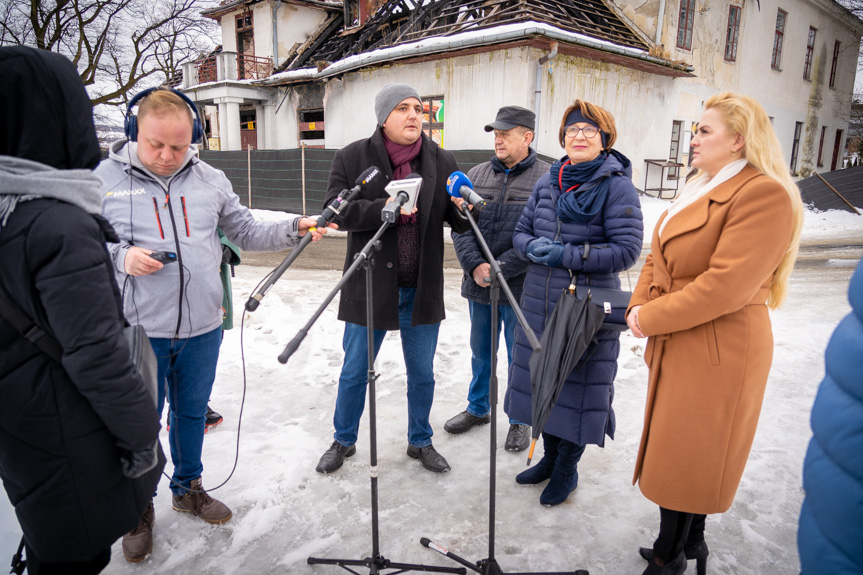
403 21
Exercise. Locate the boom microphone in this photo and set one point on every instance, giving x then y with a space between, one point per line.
458 185
327 216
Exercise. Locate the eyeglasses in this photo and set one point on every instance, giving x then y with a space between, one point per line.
572 130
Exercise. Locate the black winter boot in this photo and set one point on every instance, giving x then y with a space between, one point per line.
675 567
564 477
543 468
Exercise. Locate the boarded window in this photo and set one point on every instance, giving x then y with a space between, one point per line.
311 124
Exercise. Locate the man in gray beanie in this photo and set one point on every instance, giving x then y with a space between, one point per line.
407 277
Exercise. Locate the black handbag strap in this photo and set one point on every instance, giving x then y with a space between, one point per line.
37 335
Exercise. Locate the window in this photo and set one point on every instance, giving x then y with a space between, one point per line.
731 33
834 64
433 118
777 39
810 50
684 24
798 129
674 150
352 14
821 146
311 124
836 147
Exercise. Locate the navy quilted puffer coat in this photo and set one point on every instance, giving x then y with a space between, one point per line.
583 412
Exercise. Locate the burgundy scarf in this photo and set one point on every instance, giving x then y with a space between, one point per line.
401 157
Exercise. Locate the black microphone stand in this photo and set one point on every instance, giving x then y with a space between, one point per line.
327 216
489 566
376 563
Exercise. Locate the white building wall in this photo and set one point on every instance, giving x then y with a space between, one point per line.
295 26
785 94
475 86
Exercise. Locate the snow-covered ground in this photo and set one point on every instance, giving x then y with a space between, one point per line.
285 512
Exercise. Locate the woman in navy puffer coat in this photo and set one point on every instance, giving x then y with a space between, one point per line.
583 220
831 522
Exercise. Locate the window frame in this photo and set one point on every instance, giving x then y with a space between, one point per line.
820 162
810 53
778 39
732 33
795 146
686 24
835 64
428 126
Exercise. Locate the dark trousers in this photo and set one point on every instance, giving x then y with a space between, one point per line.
676 531
91 567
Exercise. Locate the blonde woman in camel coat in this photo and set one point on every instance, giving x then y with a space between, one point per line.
721 255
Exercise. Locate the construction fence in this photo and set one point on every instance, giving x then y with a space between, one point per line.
293 181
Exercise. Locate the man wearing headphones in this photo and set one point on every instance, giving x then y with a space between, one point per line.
166 205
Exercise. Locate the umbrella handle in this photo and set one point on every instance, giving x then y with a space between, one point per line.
530 452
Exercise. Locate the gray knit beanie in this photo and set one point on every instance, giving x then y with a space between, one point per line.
391 96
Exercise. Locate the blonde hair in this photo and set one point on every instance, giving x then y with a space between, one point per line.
163 102
745 116
603 118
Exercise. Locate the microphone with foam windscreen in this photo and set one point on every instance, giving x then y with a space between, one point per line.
458 185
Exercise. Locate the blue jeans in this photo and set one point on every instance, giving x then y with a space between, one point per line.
187 369
480 347
418 346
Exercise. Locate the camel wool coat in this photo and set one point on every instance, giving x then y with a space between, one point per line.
703 291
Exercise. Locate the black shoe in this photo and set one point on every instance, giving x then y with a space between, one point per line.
698 551
464 421
213 419
333 457
431 459
518 437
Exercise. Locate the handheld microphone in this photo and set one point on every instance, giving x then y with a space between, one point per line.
371 174
458 185
335 207
392 209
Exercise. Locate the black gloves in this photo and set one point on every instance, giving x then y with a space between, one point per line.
136 463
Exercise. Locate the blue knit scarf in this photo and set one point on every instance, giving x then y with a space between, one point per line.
576 205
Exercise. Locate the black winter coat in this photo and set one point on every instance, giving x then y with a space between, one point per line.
62 426
362 218
506 192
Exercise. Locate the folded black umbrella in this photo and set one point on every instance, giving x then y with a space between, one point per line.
567 336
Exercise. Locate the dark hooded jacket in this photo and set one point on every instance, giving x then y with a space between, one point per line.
582 413
63 425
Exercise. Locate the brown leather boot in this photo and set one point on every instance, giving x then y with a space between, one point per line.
199 503
138 543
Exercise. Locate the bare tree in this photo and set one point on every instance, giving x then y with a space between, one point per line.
118 46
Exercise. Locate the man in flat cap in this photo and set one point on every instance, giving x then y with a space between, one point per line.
407 276
505 182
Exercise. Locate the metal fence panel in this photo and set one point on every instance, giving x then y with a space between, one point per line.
278 176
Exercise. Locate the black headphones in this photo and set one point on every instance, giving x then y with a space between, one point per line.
130 124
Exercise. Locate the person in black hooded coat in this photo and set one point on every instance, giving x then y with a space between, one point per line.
64 426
